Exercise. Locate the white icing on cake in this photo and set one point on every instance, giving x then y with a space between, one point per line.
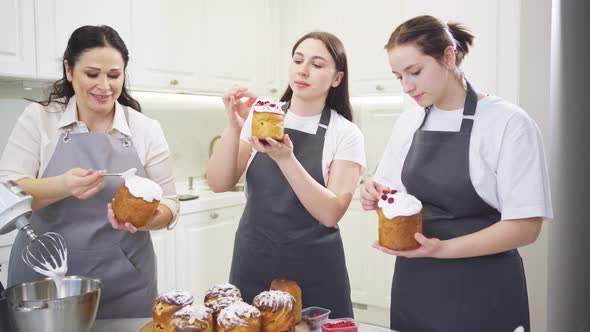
176 297
274 299
219 303
236 314
267 106
144 188
194 313
223 290
394 204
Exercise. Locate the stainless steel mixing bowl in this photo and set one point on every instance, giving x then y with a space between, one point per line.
34 307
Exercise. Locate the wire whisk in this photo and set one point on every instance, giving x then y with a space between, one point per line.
47 254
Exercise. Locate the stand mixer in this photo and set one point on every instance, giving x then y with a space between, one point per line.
46 253
15 209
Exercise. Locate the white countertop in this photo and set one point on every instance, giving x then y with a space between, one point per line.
207 199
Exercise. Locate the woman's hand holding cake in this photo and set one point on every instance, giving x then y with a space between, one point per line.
400 227
429 247
277 151
119 225
268 131
136 205
400 222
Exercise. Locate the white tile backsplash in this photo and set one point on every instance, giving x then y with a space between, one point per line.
189 123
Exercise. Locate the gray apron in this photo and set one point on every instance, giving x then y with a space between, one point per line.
278 238
124 262
486 293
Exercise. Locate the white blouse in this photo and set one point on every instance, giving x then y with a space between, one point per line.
34 139
507 163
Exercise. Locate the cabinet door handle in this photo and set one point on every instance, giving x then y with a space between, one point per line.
380 87
213 215
174 82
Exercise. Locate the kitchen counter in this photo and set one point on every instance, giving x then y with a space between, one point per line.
134 324
207 199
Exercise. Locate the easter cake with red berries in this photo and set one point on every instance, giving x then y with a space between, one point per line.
267 120
400 217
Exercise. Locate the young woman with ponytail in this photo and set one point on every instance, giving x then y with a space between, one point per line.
477 164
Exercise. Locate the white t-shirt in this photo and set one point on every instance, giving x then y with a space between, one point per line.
506 157
343 140
36 132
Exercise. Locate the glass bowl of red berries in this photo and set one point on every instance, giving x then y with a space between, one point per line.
340 325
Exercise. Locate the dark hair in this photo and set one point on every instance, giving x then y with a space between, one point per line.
338 97
432 37
81 40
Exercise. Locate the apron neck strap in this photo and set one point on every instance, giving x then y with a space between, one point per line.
69 128
324 119
469 108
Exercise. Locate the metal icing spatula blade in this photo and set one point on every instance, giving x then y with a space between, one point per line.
127 173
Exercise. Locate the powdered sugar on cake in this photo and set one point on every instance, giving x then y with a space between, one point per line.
141 187
394 203
267 106
194 313
237 314
223 290
274 299
176 297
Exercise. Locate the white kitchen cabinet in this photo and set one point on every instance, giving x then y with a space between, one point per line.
209 45
204 247
238 45
17 38
167 44
376 117
363 28
55 20
164 246
204 46
268 54
370 270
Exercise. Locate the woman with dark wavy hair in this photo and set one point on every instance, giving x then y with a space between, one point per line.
298 189
58 152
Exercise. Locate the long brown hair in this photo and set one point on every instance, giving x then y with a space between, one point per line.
338 97
432 37
81 40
